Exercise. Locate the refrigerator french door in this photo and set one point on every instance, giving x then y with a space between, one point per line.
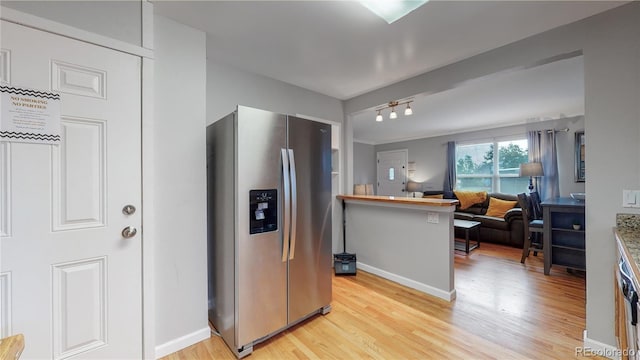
269 210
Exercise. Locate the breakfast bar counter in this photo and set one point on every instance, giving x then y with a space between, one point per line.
397 200
406 240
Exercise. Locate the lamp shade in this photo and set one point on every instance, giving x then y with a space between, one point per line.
531 169
413 186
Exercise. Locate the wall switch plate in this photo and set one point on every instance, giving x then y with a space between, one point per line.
631 198
433 218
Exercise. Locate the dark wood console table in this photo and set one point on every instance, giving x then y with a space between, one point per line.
564 245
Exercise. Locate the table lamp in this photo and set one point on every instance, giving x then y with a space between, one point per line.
531 169
413 186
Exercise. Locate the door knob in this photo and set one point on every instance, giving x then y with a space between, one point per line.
129 232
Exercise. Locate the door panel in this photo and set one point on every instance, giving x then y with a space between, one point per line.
5 66
78 175
5 304
310 265
79 306
75 281
5 189
262 282
78 80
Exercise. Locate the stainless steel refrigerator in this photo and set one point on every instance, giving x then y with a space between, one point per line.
269 224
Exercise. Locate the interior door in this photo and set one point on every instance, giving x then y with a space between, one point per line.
74 278
392 172
310 251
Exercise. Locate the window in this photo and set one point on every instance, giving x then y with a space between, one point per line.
478 168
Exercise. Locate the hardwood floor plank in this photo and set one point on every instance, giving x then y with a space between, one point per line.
504 309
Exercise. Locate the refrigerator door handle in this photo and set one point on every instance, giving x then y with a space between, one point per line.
286 204
294 204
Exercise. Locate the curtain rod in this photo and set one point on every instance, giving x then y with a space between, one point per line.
554 130
493 138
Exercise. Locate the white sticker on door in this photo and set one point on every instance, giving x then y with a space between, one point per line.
29 116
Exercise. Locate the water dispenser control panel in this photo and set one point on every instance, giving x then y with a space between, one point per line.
263 211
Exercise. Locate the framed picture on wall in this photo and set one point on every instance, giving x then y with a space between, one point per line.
580 164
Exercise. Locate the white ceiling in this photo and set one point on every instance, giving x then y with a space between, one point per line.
340 49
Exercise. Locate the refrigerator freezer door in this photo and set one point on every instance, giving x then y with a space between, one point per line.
310 264
261 278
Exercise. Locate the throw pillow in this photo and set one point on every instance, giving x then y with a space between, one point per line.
469 198
433 196
497 207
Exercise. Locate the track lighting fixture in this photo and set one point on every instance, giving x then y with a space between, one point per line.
393 104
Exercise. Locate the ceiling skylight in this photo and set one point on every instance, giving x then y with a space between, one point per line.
392 10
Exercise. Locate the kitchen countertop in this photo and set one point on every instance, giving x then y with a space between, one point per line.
627 233
631 240
400 200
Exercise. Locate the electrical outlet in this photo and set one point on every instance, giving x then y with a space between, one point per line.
631 198
433 217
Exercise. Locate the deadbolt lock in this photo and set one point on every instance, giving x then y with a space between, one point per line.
128 209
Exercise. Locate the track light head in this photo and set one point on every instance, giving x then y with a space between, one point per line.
408 111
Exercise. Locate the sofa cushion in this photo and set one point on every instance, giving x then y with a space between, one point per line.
503 196
492 222
463 216
498 208
469 198
513 214
475 209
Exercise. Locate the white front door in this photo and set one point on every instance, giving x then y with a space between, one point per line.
392 172
70 280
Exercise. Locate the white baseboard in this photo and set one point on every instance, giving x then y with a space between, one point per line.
182 342
594 347
427 289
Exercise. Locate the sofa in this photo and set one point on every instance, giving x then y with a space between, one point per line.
507 230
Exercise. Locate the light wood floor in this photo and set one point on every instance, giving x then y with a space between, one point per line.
503 310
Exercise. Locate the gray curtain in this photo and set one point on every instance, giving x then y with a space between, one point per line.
542 149
450 174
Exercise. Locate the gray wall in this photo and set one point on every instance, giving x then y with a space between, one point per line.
611 50
364 164
612 127
430 154
179 181
119 20
228 87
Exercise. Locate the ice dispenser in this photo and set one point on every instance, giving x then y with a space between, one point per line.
263 211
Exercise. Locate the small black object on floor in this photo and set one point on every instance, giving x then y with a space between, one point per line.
344 263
